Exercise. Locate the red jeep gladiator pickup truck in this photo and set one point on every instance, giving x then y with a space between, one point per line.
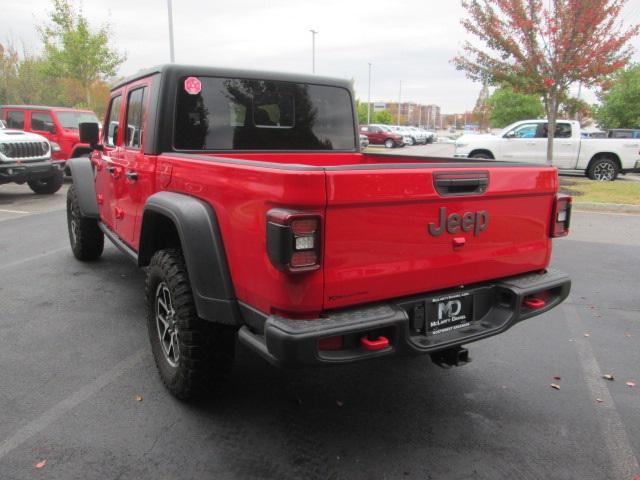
246 198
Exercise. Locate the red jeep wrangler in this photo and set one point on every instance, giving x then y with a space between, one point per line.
58 124
246 198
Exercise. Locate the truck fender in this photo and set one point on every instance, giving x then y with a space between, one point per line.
198 234
81 151
84 183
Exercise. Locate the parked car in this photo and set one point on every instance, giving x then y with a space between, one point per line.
26 158
526 141
364 141
290 239
381 135
408 137
57 124
432 135
623 133
593 134
419 134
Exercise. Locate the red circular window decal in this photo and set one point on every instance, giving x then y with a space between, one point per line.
192 86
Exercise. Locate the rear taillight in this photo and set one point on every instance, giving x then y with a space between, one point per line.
561 216
293 240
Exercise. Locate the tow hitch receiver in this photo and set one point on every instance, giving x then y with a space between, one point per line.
453 357
534 303
374 344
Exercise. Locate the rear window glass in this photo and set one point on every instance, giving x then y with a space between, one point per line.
242 114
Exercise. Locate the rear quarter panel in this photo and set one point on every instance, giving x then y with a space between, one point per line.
626 149
241 195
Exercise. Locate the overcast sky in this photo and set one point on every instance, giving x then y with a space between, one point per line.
411 41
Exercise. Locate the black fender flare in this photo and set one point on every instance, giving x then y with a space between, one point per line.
199 233
84 183
81 151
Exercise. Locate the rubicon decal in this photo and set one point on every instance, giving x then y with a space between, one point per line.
457 222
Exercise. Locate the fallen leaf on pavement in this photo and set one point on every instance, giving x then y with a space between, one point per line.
557 377
138 398
631 384
628 335
599 400
555 385
587 334
609 376
41 464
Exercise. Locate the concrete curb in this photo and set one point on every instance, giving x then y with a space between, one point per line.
606 207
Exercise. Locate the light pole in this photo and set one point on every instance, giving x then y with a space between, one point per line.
399 100
369 98
172 56
313 50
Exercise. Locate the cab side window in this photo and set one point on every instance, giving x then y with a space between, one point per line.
528 130
135 118
112 126
563 130
42 122
15 119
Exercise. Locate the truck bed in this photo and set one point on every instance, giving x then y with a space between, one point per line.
376 211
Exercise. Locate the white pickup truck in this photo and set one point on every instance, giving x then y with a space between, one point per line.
526 141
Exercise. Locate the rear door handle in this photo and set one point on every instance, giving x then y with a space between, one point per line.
131 175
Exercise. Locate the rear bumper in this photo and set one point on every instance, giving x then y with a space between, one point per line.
497 307
13 172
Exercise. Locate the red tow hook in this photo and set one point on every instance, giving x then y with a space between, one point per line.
373 345
534 303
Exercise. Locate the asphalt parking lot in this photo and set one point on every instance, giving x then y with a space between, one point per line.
75 357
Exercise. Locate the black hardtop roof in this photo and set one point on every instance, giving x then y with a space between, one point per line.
178 70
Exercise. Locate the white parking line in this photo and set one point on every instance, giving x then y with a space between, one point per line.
33 257
54 413
623 460
2 210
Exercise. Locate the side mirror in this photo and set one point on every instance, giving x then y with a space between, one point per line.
89 133
510 134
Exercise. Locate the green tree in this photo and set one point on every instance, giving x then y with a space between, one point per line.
383 117
362 112
573 108
72 49
507 106
621 103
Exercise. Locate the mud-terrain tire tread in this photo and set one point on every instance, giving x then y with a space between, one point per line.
89 239
206 348
47 186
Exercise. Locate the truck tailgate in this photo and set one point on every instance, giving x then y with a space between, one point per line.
378 243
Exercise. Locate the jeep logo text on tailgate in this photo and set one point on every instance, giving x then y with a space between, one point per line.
466 222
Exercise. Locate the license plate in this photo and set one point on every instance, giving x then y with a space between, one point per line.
449 312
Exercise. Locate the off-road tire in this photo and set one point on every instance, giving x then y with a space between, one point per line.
206 349
85 237
603 169
47 186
